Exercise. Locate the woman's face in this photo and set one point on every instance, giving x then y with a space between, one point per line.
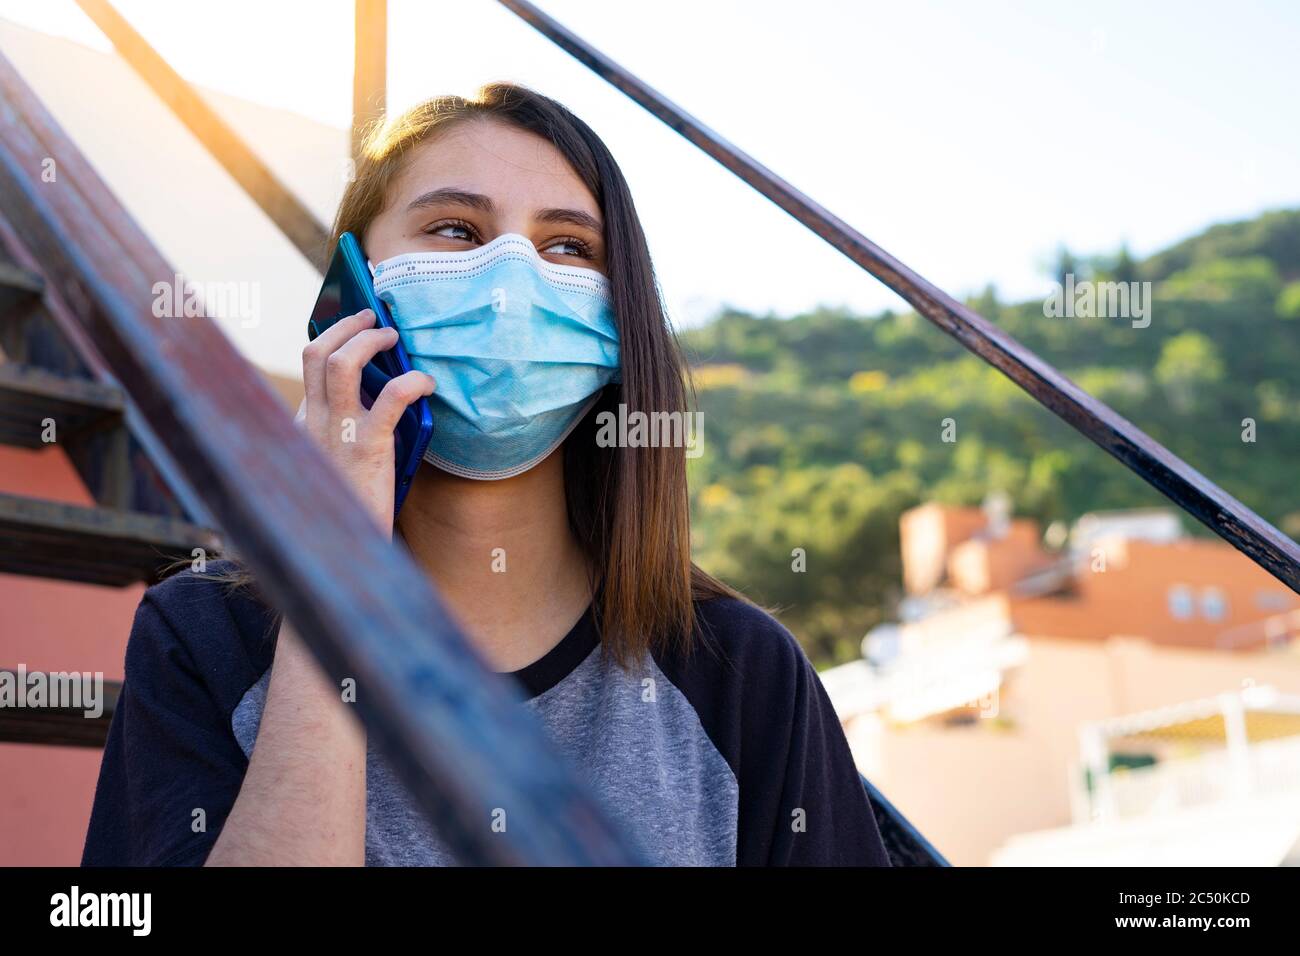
481 179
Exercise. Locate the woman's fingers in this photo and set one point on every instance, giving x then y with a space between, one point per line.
399 393
332 369
333 413
343 369
315 357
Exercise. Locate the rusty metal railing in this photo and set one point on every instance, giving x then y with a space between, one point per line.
455 732
290 215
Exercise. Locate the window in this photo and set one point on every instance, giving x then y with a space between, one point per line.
1213 604
1181 604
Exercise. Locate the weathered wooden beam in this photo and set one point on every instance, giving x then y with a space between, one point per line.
457 733
369 68
57 726
1151 461
31 397
18 288
52 539
80 416
122 465
286 210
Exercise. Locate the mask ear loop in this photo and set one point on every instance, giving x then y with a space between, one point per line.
371 266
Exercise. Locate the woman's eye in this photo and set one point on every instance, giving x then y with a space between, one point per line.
452 230
570 247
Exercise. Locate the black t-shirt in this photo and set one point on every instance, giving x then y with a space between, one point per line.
732 755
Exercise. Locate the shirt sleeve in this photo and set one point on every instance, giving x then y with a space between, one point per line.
171 767
802 799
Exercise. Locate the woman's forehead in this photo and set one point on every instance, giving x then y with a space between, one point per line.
509 165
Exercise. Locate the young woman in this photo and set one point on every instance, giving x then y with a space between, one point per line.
504 238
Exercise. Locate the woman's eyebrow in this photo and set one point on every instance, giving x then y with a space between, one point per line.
450 194
574 217
463 197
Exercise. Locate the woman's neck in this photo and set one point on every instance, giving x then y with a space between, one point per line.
502 556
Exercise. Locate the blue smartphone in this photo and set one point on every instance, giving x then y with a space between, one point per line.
348 288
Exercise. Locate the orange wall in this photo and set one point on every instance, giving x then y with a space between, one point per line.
46 792
928 533
50 625
980 565
1131 595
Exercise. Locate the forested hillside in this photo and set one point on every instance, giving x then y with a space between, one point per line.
820 429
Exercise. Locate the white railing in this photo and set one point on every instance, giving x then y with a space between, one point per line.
1265 769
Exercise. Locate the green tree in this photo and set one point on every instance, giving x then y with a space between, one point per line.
1188 362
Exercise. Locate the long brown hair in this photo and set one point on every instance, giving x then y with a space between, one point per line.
628 506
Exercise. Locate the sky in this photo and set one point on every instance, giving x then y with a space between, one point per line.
969 139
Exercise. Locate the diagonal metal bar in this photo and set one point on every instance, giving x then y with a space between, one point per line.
456 733
369 67
904 842
1151 461
279 203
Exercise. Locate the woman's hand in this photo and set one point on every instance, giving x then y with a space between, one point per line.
359 441
303 797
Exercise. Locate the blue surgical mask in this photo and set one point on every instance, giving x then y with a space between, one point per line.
519 347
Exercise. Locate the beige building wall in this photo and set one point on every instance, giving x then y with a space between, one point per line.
970 787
